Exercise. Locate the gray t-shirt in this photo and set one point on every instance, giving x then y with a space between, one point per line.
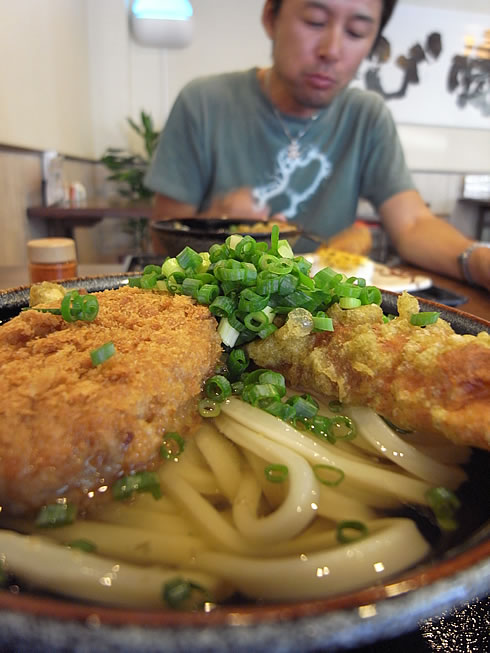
223 134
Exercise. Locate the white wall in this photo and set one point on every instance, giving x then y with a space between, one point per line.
44 75
74 75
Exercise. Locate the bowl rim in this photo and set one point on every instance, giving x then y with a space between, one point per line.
168 226
67 609
457 560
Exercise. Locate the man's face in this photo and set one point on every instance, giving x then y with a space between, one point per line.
318 46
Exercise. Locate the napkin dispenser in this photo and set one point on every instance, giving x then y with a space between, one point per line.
161 24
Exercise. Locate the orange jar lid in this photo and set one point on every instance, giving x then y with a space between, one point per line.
51 250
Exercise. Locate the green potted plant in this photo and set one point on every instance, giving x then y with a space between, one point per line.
128 170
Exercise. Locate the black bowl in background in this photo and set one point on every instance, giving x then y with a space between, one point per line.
200 234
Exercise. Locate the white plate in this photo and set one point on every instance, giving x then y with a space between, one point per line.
398 280
381 276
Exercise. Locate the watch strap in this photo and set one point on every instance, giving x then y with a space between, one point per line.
464 258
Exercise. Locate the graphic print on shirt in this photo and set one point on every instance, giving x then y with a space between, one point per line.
294 192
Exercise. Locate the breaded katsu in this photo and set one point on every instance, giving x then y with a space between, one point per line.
420 378
68 428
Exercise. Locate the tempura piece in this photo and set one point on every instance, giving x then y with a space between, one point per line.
420 378
68 429
46 292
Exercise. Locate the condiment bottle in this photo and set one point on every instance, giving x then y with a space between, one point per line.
51 259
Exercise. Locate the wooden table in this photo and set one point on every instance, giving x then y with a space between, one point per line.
478 298
60 219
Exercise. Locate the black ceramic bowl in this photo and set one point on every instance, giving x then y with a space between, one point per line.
455 575
200 234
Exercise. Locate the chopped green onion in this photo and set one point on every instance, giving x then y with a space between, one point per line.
320 427
190 287
73 307
349 302
149 281
102 354
321 470
266 331
246 248
222 306
177 592
274 238
274 378
237 387
228 334
277 408
189 259
217 388
322 323
87 546
303 407
445 505
326 277
360 531
170 267
207 293
302 264
126 486
70 302
238 362
424 318
56 515
254 377
335 406
276 473
287 284
250 301
371 295
90 308
172 446
148 269
209 408
284 249
256 321
253 393
342 428
348 290
236 323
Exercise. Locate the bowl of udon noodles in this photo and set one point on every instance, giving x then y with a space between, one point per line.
294 581
200 233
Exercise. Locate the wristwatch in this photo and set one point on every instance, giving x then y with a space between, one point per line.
464 258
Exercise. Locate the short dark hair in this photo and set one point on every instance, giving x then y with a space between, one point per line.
388 7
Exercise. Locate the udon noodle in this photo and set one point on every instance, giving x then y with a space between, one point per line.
227 527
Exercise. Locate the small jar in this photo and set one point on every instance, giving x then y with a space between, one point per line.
51 259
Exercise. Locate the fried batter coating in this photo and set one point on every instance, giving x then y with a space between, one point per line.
428 379
68 428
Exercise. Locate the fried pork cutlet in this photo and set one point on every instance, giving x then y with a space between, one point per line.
68 428
428 379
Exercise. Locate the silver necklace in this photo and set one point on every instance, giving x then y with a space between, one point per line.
294 148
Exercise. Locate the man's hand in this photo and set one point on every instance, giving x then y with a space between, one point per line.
356 239
239 203
479 266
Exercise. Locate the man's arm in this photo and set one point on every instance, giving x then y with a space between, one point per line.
235 204
429 242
